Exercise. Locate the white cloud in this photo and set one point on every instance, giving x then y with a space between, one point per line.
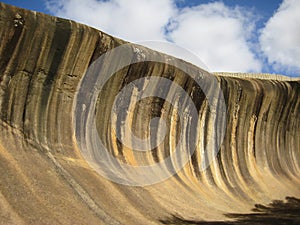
218 34
280 39
132 20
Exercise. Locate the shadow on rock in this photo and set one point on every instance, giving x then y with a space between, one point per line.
278 212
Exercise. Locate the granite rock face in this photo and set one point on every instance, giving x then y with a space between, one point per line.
44 175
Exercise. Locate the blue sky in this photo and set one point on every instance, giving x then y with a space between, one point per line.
38 5
268 7
256 35
264 8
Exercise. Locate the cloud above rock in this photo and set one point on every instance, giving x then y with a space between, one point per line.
224 38
280 39
219 35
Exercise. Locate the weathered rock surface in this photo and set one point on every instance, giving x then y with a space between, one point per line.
44 179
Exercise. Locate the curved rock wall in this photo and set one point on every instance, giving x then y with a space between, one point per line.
45 178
